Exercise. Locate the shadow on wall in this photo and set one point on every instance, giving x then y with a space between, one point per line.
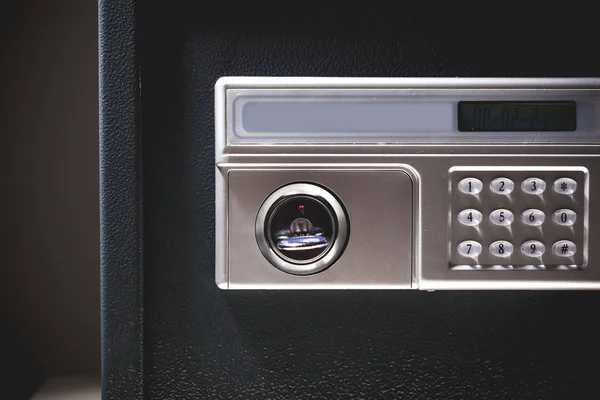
49 221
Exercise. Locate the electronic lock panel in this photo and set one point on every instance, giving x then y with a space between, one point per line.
395 183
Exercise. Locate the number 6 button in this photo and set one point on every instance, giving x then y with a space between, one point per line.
533 217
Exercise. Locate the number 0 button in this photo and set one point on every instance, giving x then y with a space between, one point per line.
533 186
469 217
533 217
470 186
469 248
501 217
564 217
502 186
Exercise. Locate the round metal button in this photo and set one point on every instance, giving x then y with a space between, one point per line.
564 248
533 217
469 248
470 186
470 217
564 217
502 217
501 248
565 186
533 186
502 186
533 248
301 228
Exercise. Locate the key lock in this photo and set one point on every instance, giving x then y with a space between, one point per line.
302 228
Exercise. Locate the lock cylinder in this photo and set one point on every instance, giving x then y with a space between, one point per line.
302 228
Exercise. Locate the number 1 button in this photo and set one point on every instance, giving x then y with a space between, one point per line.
470 186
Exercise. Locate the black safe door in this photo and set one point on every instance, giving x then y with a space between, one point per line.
170 333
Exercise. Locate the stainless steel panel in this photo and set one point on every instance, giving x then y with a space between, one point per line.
380 209
429 164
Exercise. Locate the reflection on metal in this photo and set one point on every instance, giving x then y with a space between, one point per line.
296 243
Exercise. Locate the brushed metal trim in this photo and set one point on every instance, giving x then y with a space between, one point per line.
340 235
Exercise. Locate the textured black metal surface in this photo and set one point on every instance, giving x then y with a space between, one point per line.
199 342
120 204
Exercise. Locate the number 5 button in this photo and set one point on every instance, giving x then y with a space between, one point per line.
533 217
501 217
469 217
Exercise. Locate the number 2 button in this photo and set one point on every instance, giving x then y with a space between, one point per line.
502 186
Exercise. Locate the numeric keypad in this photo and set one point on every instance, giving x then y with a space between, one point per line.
517 218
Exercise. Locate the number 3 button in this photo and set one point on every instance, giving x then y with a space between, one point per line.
533 186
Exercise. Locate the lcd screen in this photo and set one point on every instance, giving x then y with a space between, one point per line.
516 116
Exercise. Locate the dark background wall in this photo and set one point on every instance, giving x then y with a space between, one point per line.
49 262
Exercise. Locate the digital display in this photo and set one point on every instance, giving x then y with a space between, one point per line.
516 116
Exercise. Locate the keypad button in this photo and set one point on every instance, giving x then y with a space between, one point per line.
470 217
564 217
564 248
533 248
565 186
469 248
533 186
502 186
470 186
501 248
502 217
533 217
